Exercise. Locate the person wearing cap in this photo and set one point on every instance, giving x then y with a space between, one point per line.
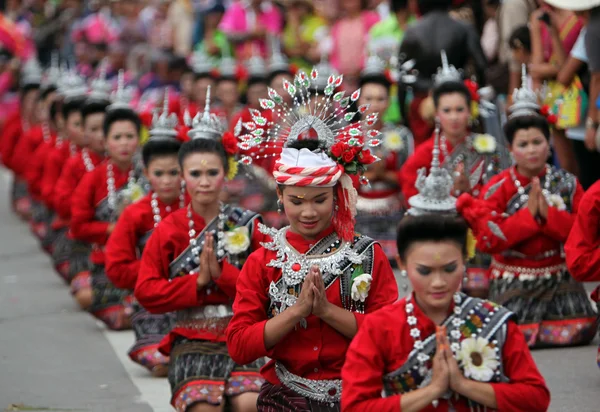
439 349
303 295
523 220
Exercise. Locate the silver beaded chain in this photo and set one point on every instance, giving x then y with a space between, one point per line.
156 208
110 185
46 131
524 197
220 234
87 161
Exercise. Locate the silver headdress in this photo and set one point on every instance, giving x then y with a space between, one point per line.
31 73
228 67
327 114
434 190
53 74
205 125
323 67
256 66
72 85
201 63
100 88
525 100
375 66
446 73
278 62
122 97
164 124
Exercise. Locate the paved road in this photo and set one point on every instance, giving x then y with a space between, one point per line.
54 357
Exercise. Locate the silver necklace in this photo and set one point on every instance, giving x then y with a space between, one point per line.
156 209
220 235
524 197
46 131
110 184
73 149
87 161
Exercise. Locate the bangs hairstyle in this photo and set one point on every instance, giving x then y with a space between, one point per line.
117 115
203 146
155 149
72 106
433 228
450 88
46 91
520 38
256 80
93 106
526 122
376 79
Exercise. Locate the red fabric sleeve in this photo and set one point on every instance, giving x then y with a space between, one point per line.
83 225
154 290
581 248
245 333
362 374
407 176
559 223
63 190
121 259
228 279
525 378
52 168
22 151
10 136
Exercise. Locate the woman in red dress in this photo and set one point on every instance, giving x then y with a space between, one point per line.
135 226
523 220
302 297
190 266
444 351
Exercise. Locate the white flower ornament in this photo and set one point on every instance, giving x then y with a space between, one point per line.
237 240
484 143
360 287
478 359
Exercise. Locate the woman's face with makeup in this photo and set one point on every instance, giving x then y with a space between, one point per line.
204 177
435 271
530 149
308 209
453 112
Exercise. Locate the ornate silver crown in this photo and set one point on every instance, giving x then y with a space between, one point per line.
323 67
525 100
256 66
375 66
72 85
201 62
122 97
205 125
228 67
434 190
446 73
53 73
100 88
31 73
278 61
164 124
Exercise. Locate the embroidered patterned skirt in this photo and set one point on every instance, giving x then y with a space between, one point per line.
61 252
379 219
551 311
477 280
279 398
108 302
202 371
79 266
20 198
41 218
149 330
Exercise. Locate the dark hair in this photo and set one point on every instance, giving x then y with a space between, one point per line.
28 88
449 88
275 73
160 148
92 107
256 80
55 109
397 5
431 228
47 90
203 146
376 79
428 6
526 122
117 115
203 75
71 106
520 38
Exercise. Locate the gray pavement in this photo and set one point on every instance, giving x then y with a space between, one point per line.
55 357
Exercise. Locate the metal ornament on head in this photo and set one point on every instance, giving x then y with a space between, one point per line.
163 124
525 100
375 66
31 73
278 62
447 73
72 85
100 88
123 96
53 74
256 66
205 125
434 190
201 63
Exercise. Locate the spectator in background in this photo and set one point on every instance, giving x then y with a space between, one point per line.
299 36
350 35
214 42
247 24
511 15
519 44
181 19
490 38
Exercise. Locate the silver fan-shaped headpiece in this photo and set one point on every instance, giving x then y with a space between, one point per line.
525 100
163 124
447 73
434 189
31 73
100 88
205 125
122 97
327 113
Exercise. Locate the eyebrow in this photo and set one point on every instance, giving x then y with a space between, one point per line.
454 262
304 198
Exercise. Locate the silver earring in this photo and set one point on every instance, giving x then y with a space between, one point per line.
403 273
279 206
404 281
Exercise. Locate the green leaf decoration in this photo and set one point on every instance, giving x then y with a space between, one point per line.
358 270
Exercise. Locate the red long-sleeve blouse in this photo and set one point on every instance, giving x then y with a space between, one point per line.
317 352
383 344
13 129
35 170
122 249
26 145
157 293
52 169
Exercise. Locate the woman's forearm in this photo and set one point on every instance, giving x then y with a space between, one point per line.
278 327
480 392
341 320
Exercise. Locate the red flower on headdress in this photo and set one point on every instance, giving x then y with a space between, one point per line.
348 156
146 118
230 143
293 69
366 157
473 89
547 113
337 149
182 133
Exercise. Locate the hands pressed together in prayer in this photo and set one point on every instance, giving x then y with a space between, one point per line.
446 373
313 297
461 181
537 203
209 268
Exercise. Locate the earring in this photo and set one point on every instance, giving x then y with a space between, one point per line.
403 273
404 281
280 206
